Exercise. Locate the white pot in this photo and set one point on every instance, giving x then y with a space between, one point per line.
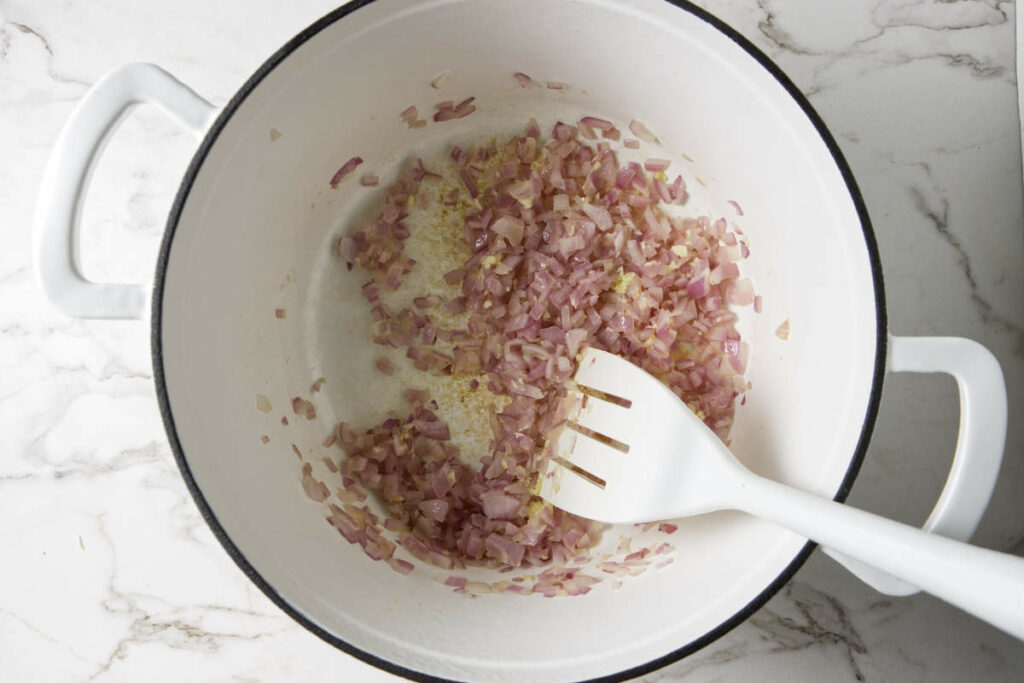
252 229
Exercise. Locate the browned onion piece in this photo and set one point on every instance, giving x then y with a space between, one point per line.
301 406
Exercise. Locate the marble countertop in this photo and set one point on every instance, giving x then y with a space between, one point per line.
108 573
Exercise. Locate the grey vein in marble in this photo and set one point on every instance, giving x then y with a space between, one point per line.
5 43
939 218
876 50
946 16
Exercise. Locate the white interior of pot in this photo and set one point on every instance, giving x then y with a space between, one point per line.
256 234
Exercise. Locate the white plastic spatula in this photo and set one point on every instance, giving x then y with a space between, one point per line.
633 452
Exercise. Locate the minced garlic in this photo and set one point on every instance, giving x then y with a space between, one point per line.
622 281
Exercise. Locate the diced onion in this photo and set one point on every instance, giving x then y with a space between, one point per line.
564 247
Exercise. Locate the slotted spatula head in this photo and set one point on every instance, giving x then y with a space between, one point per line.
630 450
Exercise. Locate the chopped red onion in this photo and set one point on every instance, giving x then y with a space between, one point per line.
409 114
698 288
447 112
741 293
435 429
524 80
497 505
566 248
384 365
316 490
602 219
509 228
345 169
506 551
436 510
640 130
301 406
400 566
439 81
656 165
596 123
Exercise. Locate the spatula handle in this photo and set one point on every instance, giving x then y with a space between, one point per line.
985 583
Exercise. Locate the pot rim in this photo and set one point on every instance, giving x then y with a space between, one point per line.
156 340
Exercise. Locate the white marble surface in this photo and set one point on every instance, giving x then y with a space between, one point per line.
107 571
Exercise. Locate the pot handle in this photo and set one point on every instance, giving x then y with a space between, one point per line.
979 444
61 193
